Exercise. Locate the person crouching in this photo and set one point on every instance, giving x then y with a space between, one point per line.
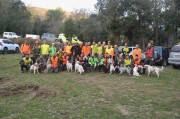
54 64
65 58
26 62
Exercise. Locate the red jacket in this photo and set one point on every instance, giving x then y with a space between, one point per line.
150 52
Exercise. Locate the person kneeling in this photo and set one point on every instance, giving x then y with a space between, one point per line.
54 64
26 62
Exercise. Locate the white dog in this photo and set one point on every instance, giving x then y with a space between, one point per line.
48 65
135 71
112 69
151 69
125 69
80 69
69 66
34 67
77 66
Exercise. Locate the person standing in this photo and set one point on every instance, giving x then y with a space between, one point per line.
52 50
36 50
125 49
45 50
59 46
76 51
149 54
68 49
116 53
99 49
109 50
86 49
25 48
94 48
137 54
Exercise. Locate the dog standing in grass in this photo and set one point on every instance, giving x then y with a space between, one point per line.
151 69
35 68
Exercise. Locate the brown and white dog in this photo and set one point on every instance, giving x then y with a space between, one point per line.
151 69
34 67
48 65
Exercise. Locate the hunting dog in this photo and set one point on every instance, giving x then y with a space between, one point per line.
34 67
151 69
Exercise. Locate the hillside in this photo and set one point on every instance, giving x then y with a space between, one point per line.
37 11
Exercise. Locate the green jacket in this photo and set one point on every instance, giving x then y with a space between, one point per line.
93 61
101 61
52 50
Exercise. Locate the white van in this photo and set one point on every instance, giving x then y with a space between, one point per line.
10 35
32 36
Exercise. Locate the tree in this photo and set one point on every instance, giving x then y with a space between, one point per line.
14 16
54 20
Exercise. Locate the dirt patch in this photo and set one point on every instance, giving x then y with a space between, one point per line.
14 90
122 109
33 90
4 79
45 93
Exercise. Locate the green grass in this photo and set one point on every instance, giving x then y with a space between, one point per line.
91 95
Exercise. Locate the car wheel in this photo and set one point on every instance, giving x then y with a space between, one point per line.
5 51
56 40
17 50
164 63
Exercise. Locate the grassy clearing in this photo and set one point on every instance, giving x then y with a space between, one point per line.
92 95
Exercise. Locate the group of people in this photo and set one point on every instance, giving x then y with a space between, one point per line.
96 56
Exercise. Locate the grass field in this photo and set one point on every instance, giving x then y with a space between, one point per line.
91 95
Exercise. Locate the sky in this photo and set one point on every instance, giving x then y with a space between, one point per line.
67 5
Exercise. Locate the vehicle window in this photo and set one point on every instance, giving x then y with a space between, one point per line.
6 41
10 42
45 35
6 33
176 48
10 33
130 49
158 50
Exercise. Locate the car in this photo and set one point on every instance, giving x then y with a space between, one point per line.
161 55
62 38
174 56
32 36
49 37
120 48
7 45
10 35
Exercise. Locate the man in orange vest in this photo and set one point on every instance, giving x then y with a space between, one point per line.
86 49
67 49
25 48
137 54
65 58
54 64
